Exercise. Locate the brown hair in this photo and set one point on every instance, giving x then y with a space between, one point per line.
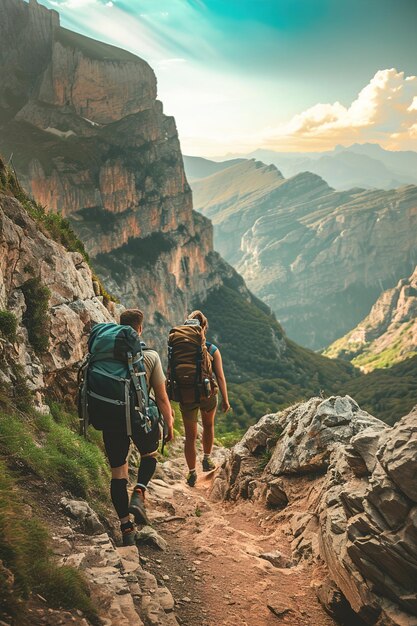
198 315
132 317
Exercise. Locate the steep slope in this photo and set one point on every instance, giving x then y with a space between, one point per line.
388 334
318 257
49 298
387 392
59 564
232 199
90 140
198 167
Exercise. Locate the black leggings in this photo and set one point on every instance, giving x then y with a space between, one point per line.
117 444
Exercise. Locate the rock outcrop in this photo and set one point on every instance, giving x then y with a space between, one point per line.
124 592
71 306
344 484
318 257
388 334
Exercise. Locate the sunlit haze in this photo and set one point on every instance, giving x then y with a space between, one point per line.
280 74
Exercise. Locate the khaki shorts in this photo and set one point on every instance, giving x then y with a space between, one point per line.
189 412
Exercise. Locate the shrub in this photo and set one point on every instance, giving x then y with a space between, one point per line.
36 316
8 325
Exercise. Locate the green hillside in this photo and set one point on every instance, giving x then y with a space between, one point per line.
387 393
265 370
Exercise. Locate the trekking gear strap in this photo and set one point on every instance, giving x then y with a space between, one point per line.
82 384
139 383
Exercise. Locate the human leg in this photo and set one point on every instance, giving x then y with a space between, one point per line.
190 431
147 444
117 448
208 413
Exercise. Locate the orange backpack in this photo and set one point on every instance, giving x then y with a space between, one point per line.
190 374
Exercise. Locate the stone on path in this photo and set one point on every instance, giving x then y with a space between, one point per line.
84 514
148 535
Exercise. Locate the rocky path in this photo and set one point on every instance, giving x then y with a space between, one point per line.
212 564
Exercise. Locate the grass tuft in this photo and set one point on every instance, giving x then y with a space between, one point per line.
26 563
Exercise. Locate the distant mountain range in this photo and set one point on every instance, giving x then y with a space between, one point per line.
319 257
359 165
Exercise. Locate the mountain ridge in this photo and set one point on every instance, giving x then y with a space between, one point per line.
318 257
365 165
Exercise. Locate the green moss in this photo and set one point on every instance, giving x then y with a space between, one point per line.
36 316
8 325
25 552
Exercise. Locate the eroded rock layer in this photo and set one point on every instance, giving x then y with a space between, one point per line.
35 268
344 484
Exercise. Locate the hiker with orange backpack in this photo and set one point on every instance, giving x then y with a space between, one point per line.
195 372
114 396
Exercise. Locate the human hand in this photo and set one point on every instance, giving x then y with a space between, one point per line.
225 405
169 436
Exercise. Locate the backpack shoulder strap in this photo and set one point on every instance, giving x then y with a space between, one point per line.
211 348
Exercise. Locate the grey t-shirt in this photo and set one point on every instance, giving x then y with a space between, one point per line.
154 373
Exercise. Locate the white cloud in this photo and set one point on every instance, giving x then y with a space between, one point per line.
168 64
384 111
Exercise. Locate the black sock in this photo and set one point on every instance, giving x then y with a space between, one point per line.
146 470
119 497
126 526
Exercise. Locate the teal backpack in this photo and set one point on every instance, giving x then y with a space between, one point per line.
112 390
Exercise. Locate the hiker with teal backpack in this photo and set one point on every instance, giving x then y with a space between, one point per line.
114 396
195 372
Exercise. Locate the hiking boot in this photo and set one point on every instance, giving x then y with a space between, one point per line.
208 464
129 536
191 479
137 506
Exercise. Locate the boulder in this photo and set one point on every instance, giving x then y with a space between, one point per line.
313 429
148 535
348 482
84 514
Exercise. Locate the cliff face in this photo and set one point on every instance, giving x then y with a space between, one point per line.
50 293
90 140
319 258
388 334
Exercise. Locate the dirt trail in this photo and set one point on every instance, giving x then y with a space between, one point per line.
212 566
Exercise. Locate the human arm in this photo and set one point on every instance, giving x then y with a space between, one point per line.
164 406
221 379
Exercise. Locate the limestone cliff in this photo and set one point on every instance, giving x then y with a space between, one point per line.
341 484
318 257
49 294
388 334
89 140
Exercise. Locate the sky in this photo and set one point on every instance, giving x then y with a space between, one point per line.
286 75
